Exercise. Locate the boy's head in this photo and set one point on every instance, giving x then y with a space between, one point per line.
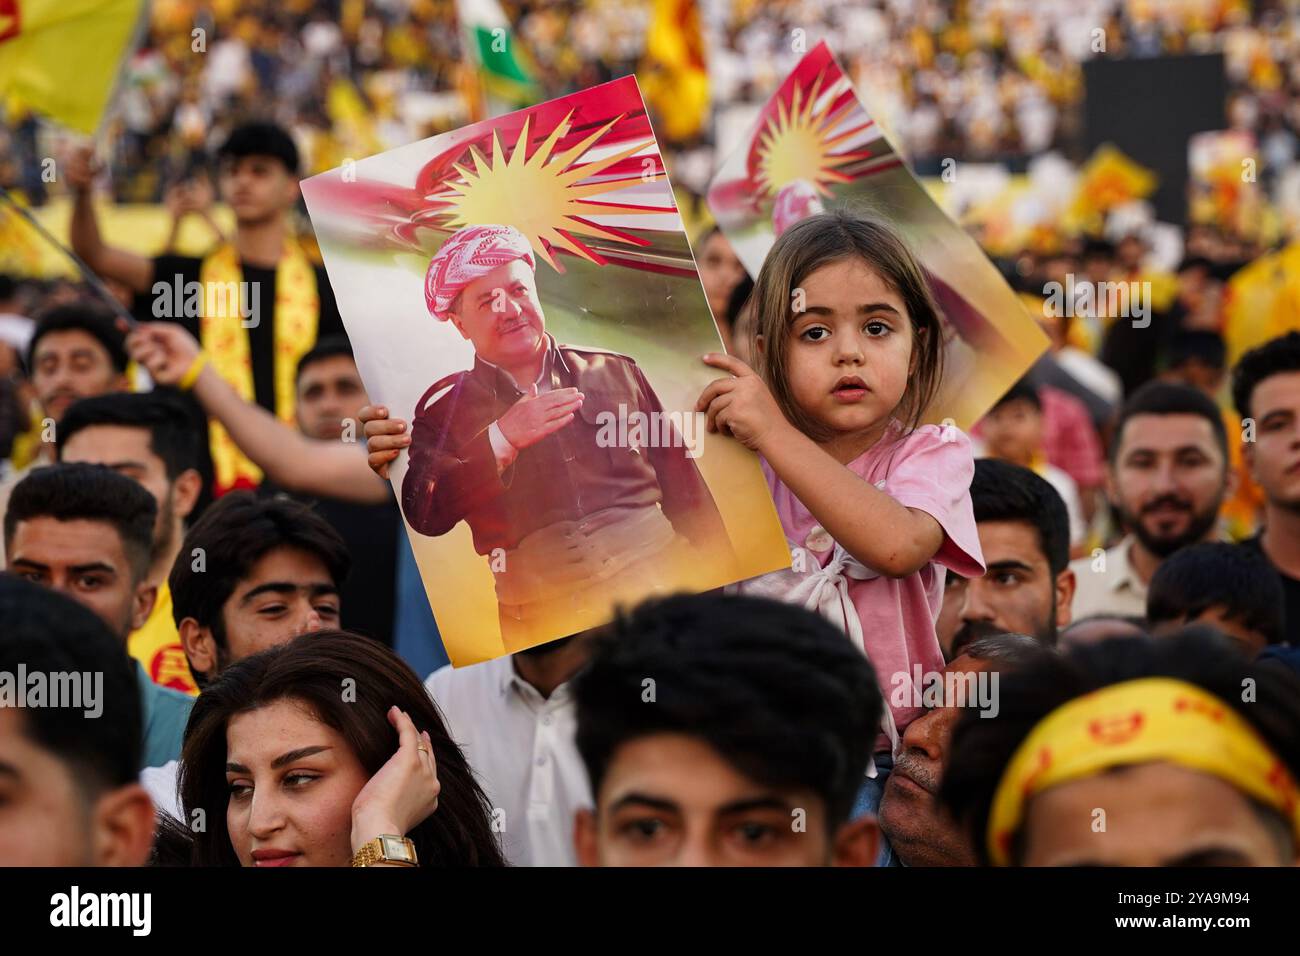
725 731
1266 390
258 172
1227 586
75 351
1154 738
88 532
330 390
1198 359
1013 428
149 438
253 573
68 768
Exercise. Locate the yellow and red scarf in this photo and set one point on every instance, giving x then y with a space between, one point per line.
296 314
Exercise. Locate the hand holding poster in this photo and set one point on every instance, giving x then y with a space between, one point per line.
522 291
814 146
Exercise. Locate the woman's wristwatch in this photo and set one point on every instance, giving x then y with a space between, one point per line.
386 848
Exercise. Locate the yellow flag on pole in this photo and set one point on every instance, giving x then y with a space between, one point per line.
674 74
62 57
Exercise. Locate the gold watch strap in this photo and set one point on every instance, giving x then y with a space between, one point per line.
387 848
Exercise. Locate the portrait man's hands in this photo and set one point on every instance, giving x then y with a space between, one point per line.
534 416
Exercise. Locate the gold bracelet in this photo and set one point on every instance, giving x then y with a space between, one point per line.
192 373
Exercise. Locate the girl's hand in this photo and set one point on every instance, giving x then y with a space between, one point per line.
741 406
403 792
165 350
385 437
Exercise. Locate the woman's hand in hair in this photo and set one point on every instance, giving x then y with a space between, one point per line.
385 438
404 791
742 405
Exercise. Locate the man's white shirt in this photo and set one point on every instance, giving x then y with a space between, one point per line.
522 750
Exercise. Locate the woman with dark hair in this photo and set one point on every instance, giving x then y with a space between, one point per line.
323 752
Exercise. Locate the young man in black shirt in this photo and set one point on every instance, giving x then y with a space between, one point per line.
1266 391
257 304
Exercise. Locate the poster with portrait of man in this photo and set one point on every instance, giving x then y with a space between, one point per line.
522 292
814 147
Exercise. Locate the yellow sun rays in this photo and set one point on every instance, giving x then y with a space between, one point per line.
797 144
540 195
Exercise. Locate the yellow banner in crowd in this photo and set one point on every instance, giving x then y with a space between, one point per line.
61 57
140 228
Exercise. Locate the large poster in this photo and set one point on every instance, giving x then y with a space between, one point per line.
813 147
522 292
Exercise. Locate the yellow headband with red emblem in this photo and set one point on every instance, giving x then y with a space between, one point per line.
1152 720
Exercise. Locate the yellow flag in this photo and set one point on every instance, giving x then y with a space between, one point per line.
1108 179
62 57
675 76
1257 306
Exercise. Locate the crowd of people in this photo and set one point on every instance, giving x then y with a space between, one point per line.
1083 569
976 79
1089 602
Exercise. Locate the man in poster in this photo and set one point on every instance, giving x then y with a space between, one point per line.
517 446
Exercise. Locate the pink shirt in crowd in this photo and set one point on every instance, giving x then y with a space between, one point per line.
892 619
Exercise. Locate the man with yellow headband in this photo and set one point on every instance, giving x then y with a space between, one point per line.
1139 752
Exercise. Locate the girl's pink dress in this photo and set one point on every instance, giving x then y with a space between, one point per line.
891 619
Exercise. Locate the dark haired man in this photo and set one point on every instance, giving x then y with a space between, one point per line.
75 352
918 831
1159 760
1167 478
282 302
1028 587
68 771
148 438
88 532
330 398
722 730
254 572
1224 586
1266 391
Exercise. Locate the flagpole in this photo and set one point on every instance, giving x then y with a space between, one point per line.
86 273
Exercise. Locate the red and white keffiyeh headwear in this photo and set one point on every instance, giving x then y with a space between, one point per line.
470 254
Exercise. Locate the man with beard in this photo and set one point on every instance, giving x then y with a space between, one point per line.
148 438
919 832
1167 479
75 352
1028 587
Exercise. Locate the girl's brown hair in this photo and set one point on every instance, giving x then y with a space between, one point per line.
818 241
311 670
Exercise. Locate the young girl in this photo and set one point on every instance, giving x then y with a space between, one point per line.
874 504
